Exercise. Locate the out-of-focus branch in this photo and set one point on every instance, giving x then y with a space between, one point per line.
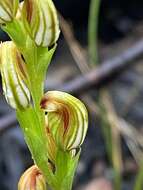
97 75
76 50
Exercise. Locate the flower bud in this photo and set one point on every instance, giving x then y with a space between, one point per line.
14 76
8 10
66 119
41 21
32 179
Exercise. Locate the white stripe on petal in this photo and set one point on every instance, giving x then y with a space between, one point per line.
39 34
4 15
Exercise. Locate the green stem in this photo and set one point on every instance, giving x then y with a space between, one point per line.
139 179
93 31
65 170
112 142
117 180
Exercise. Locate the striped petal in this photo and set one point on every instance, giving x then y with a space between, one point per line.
8 10
42 20
14 76
66 119
32 179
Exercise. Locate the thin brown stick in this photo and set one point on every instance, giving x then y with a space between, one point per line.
105 69
133 138
115 134
76 50
97 75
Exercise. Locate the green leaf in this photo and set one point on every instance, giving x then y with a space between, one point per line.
65 169
35 138
44 58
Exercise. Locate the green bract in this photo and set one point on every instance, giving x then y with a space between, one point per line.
14 76
8 10
66 120
41 21
32 179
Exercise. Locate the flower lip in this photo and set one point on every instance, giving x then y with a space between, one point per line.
67 119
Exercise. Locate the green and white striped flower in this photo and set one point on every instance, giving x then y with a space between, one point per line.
32 179
8 10
40 18
14 76
66 119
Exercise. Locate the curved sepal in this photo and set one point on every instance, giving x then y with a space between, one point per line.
66 119
41 21
14 76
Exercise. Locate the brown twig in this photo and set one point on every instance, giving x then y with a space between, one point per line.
105 69
133 138
76 50
97 75
115 134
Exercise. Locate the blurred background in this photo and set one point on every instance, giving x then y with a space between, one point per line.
99 60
